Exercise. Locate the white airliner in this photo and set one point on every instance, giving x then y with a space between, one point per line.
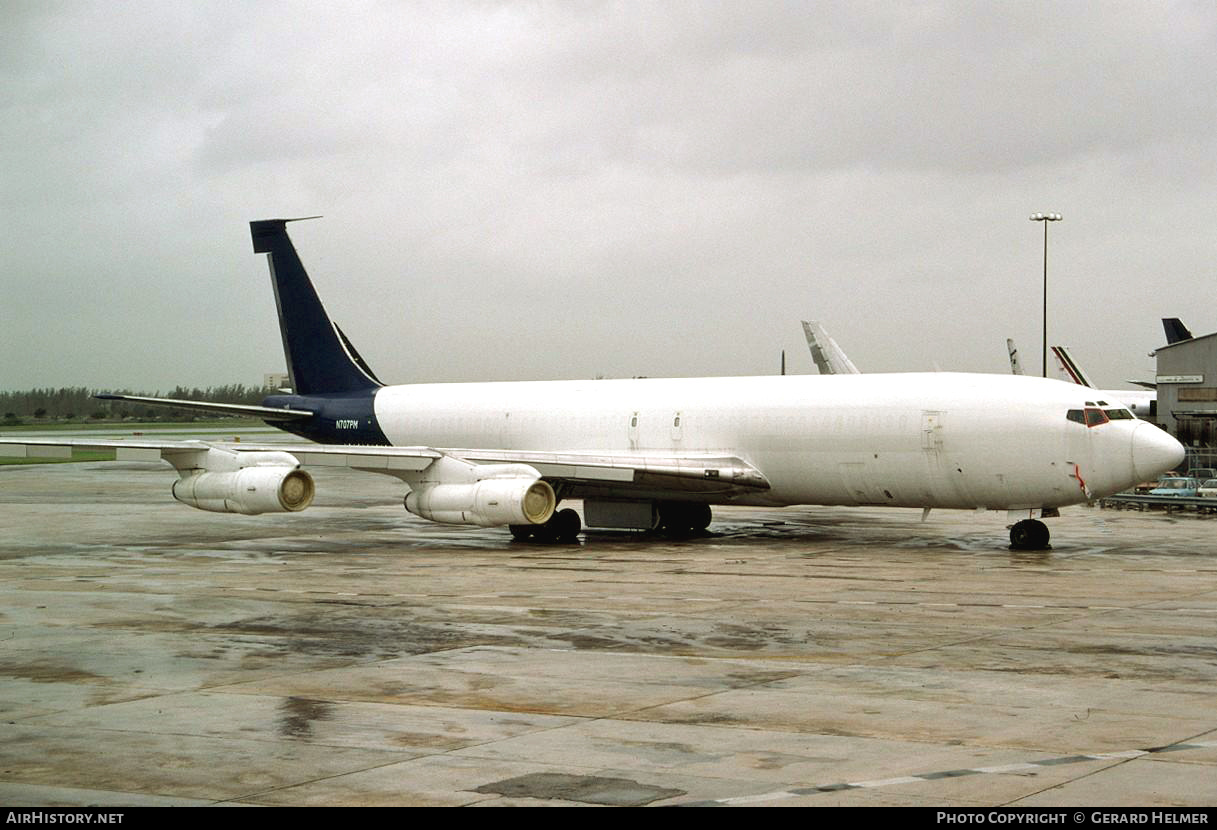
650 453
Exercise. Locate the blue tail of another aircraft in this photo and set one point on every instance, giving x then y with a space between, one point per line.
1176 332
320 358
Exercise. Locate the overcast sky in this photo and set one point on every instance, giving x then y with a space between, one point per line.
565 190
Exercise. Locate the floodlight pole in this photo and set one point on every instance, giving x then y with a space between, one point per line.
1045 218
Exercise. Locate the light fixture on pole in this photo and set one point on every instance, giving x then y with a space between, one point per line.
1045 218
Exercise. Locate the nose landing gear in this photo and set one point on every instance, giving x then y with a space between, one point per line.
1029 534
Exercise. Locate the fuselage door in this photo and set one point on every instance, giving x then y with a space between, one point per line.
931 431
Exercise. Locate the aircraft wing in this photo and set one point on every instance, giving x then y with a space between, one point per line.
186 455
577 474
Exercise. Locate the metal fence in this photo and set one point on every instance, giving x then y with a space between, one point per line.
1200 457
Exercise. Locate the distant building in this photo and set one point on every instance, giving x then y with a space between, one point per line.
275 382
1187 390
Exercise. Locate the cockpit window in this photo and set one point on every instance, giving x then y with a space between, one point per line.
1092 416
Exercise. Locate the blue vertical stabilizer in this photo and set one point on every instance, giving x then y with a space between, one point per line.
320 359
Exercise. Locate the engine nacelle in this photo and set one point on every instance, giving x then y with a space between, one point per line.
491 502
252 490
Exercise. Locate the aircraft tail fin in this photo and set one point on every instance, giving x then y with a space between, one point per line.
829 357
1070 367
1176 332
1015 366
320 358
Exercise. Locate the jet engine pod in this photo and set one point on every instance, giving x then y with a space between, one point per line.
250 491
492 502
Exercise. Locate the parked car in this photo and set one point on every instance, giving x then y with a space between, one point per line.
1145 487
1202 473
1183 487
1208 490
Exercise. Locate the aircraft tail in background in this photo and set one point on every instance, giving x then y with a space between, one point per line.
829 357
1016 368
1176 332
1070 367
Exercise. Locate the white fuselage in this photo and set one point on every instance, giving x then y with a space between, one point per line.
915 440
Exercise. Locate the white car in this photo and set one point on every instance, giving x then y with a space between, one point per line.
1208 490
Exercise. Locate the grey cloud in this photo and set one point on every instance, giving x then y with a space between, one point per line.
557 189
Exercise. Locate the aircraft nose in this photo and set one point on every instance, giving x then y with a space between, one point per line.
1154 452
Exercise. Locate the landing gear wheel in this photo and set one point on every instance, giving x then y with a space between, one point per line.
562 527
1029 534
565 525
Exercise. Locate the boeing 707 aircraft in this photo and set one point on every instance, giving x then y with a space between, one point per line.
652 453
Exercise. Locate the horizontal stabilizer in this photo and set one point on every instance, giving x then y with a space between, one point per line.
264 231
269 413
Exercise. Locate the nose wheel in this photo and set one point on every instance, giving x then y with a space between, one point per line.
1029 534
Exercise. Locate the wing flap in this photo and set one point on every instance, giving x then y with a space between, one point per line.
678 473
136 454
36 451
176 452
372 462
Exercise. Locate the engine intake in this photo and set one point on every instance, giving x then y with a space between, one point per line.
245 482
491 502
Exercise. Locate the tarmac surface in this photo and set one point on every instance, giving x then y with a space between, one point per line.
151 654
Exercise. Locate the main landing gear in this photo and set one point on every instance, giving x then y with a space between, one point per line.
563 527
671 518
1029 534
682 518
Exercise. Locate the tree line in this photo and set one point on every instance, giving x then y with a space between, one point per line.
77 403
